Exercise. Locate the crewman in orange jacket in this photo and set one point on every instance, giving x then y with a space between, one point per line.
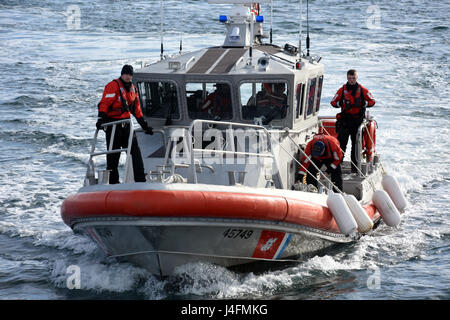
120 99
353 99
218 103
273 97
322 150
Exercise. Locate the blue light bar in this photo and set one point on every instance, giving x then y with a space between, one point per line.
223 18
259 19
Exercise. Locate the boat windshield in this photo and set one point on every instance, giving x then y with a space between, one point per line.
209 100
268 99
159 99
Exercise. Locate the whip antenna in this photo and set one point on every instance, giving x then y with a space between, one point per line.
307 28
161 28
182 23
300 33
271 20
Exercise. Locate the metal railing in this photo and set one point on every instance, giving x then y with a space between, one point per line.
230 125
90 173
359 146
359 143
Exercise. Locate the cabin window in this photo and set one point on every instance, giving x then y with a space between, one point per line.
300 96
268 99
311 96
209 100
319 93
159 99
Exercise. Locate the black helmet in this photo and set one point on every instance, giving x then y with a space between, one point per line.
127 69
318 149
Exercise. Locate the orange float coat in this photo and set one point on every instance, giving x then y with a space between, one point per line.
116 100
332 151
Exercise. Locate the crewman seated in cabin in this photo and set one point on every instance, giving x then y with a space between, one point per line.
218 103
322 150
270 97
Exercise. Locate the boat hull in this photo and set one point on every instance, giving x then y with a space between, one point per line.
162 229
161 245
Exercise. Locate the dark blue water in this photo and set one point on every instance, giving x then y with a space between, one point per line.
54 72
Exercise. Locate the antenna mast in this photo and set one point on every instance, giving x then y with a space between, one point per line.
161 28
300 33
182 23
307 28
271 20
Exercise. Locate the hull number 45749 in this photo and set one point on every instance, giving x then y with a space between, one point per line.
241 233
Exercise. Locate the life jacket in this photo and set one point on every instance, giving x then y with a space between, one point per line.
118 103
353 106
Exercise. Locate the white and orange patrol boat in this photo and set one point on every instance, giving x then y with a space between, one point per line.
221 165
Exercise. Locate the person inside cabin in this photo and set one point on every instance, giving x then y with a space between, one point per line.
271 94
322 150
271 97
353 99
276 99
120 99
218 103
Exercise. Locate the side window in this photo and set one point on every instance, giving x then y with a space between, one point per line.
300 95
311 96
207 100
159 99
268 99
319 93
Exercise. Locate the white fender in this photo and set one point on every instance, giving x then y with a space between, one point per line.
365 224
394 191
386 207
341 213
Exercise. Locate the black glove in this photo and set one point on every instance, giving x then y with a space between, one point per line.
144 125
101 120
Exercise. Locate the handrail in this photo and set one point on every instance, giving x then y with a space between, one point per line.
188 62
192 150
90 173
359 137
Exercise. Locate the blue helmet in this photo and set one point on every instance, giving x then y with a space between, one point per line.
318 149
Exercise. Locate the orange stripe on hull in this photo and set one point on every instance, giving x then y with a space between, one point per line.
170 203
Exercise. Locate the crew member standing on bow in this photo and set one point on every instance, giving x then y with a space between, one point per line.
353 99
120 99
322 150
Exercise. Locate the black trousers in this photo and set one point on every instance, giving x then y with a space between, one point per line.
121 141
336 174
345 130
